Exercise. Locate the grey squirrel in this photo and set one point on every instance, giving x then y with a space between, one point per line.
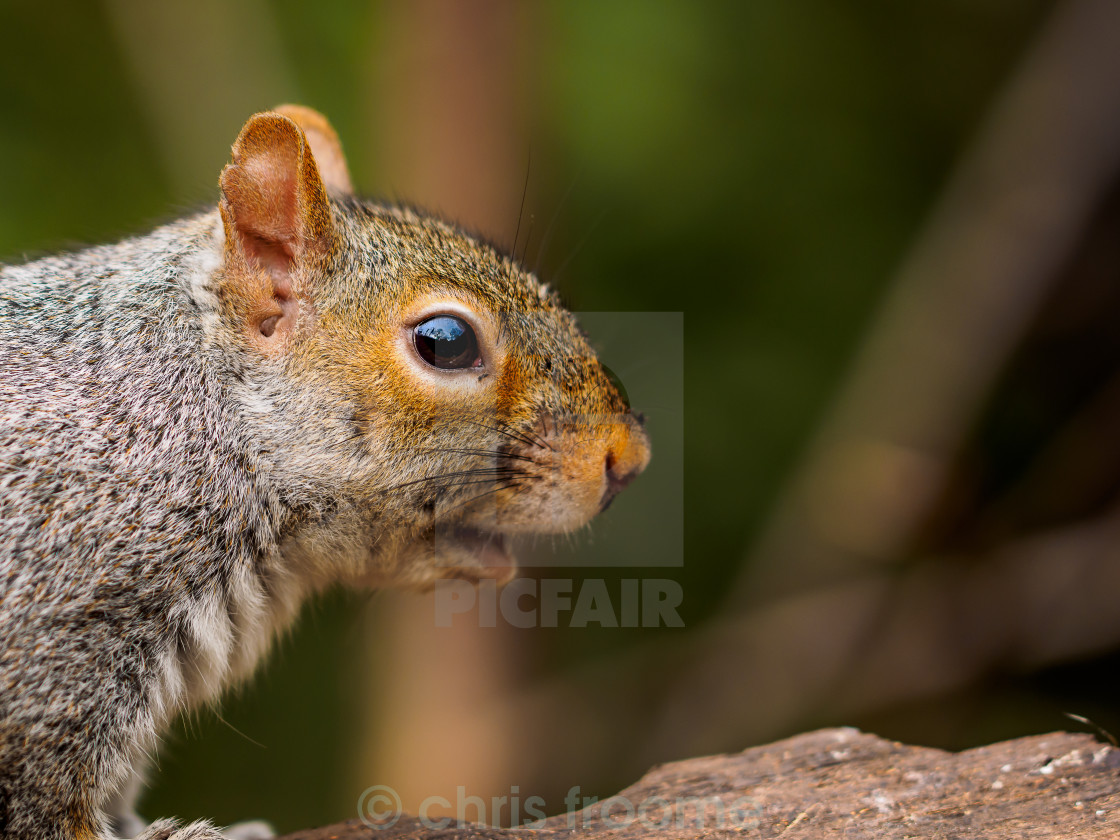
203 426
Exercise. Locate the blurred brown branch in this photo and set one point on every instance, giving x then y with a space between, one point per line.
821 784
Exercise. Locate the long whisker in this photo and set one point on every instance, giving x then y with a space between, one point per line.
526 437
468 483
490 473
521 212
493 453
505 486
528 239
538 440
522 437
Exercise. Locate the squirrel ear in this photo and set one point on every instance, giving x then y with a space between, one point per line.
324 145
275 211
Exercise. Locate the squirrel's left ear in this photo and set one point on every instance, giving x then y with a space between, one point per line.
277 218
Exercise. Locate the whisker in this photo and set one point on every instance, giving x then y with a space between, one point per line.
491 473
528 239
540 441
475 498
514 435
589 439
528 438
521 212
479 481
487 452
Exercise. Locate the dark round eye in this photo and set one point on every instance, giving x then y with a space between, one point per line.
447 342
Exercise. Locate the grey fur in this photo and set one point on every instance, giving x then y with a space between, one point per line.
168 497
128 507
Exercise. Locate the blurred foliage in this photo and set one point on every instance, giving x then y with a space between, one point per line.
760 166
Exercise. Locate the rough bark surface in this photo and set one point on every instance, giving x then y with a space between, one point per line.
838 783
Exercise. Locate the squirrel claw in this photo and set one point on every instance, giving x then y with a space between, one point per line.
169 830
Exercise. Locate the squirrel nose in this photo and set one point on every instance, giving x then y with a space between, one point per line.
627 455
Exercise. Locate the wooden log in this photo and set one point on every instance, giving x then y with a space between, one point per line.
834 783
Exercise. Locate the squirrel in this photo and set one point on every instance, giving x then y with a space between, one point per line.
203 426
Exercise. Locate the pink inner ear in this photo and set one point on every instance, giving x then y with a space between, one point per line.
269 208
274 257
275 210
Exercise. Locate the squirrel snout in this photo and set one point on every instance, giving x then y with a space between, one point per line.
627 455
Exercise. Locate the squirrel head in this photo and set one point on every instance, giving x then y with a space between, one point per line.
416 395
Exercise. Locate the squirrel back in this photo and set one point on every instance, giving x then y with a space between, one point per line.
202 426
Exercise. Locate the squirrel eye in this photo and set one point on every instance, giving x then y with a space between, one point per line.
447 342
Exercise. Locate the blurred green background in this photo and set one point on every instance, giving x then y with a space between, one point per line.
764 167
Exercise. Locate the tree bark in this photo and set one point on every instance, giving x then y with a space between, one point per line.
836 783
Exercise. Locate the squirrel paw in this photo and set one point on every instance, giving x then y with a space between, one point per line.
169 830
